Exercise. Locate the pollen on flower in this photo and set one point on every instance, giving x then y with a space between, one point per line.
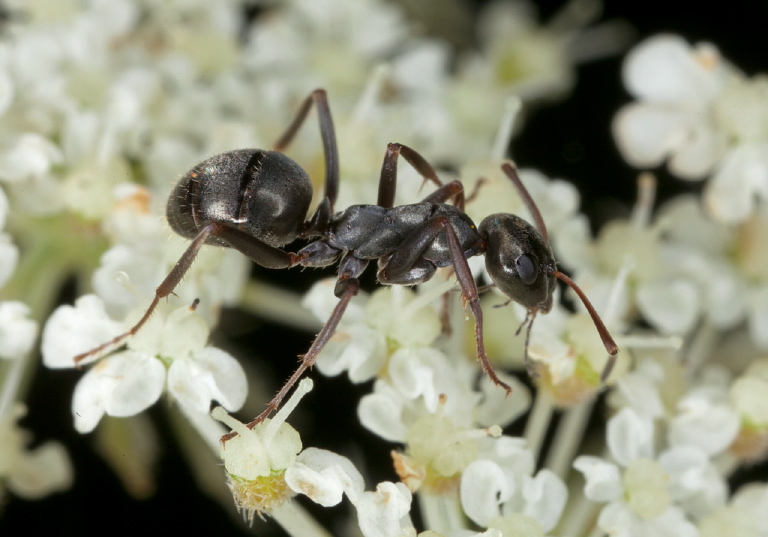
411 475
256 459
259 496
441 450
573 389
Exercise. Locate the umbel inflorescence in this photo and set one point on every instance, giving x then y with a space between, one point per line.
105 104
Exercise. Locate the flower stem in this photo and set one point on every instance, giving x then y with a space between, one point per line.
297 522
279 305
538 422
700 348
442 513
569 435
210 430
11 382
512 106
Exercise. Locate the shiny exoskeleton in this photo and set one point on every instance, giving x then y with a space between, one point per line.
257 201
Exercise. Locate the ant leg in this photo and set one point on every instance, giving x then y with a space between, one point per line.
328 136
511 172
347 286
476 190
406 265
388 177
471 297
259 252
164 289
454 189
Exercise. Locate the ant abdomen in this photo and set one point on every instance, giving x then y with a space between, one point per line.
263 193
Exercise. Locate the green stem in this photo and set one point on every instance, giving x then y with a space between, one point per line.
538 422
279 305
568 438
295 520
442 513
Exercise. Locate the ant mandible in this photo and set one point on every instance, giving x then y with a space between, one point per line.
257 201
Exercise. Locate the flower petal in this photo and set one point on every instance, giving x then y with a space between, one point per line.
379 513
672 307
741 178
210 374
603 478
121 385
484 487
545 497
706 424
630 436
382 413
646 134
71 330
17 331
324 476
665 68
41 471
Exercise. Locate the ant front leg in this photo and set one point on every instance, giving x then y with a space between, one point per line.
407 266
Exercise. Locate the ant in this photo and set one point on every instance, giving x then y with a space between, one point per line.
257 201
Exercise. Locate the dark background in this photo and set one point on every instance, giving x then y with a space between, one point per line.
569 140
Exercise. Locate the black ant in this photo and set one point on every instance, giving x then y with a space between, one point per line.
257 201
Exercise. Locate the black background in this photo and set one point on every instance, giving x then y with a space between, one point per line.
569 140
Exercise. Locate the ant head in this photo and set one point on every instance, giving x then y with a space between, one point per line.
519 260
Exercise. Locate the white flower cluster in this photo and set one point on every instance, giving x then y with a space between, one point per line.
104 102
701 114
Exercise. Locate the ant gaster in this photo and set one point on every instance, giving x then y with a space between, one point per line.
257 201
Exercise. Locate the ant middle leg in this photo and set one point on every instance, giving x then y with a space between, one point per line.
407 265
347 286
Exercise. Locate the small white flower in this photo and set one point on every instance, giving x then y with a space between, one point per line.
127 382
28 155
490 490
324 476
706 419
744 516
17 330
266 465
9 258
674 83
30 473
701 115
256 459
643 494
365 339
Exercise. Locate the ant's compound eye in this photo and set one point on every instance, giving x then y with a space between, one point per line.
527 270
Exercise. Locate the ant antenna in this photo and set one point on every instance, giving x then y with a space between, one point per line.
608 342
512 174
605 336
